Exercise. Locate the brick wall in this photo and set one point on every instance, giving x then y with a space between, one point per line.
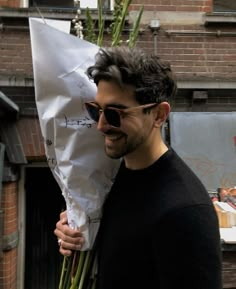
195 57
9 260
15 53
193 53
173 5
10 3
31 138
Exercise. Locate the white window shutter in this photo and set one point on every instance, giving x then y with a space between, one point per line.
89 3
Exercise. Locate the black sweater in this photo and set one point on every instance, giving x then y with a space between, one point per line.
159 230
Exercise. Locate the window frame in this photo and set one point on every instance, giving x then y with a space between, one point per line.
217 4
91 4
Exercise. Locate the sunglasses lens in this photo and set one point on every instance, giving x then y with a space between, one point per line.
93 111
112 117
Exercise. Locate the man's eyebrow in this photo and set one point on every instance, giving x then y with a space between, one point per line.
116 105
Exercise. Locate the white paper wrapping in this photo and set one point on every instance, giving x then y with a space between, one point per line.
74 147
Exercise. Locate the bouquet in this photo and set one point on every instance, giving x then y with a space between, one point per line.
74 148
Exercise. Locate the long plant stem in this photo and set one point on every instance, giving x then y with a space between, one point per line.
79 270
100 23
135 31
85 270
120 23
65 278
63 270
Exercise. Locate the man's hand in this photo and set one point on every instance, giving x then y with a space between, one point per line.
68 239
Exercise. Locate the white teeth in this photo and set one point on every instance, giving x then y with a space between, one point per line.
113 138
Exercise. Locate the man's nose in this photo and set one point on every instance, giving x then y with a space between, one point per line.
102 124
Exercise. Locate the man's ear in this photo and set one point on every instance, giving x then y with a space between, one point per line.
162 112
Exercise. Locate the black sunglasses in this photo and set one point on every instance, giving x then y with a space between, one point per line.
112 114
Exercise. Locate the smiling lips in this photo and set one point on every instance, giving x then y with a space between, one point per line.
113 137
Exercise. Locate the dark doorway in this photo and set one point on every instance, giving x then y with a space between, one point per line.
44 202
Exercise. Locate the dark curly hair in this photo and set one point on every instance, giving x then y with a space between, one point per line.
152 79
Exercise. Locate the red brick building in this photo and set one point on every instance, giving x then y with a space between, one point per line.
198 37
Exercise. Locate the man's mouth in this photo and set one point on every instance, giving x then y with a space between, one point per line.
113 137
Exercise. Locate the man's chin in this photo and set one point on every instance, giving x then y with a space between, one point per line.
113 155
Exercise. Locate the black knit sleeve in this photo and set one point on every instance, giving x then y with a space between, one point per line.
187 249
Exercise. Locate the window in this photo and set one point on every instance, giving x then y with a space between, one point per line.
70 4
224 5
52 3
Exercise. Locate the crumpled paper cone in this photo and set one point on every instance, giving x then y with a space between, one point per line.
74 147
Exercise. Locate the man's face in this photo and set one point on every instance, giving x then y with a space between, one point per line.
133 135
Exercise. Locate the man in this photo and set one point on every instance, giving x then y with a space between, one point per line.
159 228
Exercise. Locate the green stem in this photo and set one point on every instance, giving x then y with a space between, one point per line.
75 259
120 23
85 269
100 23
67 279
134 33
63 271
79 270
93 273
94 283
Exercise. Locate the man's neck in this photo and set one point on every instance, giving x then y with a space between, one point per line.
140 160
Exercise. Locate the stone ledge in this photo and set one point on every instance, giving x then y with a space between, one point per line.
219 18
52 13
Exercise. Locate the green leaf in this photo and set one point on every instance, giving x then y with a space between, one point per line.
135 30
120 22
101 23
89 27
